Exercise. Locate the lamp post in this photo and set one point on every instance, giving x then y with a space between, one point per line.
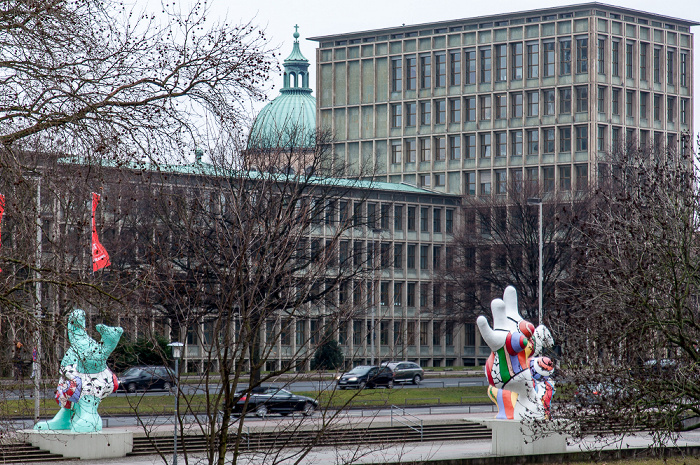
177 353
538 201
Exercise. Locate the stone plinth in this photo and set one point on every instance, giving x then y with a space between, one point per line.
108 443
514 438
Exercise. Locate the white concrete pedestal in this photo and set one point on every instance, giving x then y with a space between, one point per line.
108 443
511 437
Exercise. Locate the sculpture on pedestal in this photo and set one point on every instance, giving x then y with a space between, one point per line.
85 378
519 377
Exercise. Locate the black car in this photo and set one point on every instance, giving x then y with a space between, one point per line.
266 400
367 376
405 372
147 377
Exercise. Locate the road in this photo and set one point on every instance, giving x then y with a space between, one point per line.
294 386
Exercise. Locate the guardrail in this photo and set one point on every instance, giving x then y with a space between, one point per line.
406 420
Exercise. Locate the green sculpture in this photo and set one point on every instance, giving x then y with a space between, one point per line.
85 378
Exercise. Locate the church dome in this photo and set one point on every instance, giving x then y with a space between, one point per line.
290 119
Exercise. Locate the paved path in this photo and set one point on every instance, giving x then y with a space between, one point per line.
371 454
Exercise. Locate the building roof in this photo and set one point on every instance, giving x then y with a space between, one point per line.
289 120
504 16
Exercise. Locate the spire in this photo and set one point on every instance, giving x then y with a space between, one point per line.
296 69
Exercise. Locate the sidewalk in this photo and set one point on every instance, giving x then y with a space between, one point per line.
397 453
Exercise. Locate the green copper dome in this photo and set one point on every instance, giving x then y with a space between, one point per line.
290 119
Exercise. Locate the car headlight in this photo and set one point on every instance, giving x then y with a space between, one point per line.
337 377
354 378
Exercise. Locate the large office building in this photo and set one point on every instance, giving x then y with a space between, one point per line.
466 106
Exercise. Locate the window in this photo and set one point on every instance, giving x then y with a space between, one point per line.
440 111
548 140
455 147
629 103
548 98
485 183
501 106
517 65
371 215
684 69
671 109
424 324
485 64
437 220
440 180
684 111
548 66
601 99
396 115
440 70
440 148
398 217
565 178
396 74
615 58
425 72
548 178
601 55
582 99
398 256
501 144
411 257
396 151
471 109
501 181
470 183
410 151
485 101
601 138
581 177
516 143
582 55
411 73
470 141
531 176
383 301
615 137
581 138
564 56
455 110
398 301
565 100
455 68
437 331
670 66
517 105
411 219
424 149
629 49
424 219
516 179
425 113
533 142
615 101
449 220
533 61
501 62
657 65
424 180
411 114
565 139
533 103
470 73
424 257
643 61
657 107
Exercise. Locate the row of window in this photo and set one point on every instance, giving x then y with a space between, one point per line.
497 182
531 60
389 255
642 103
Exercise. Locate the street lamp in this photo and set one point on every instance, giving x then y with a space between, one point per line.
177 353
538 201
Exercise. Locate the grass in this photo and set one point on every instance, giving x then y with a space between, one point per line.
154 405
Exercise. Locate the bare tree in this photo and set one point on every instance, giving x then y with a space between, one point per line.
634 335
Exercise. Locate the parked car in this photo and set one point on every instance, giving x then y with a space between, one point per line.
367 376
588 395
147 377
406 372
265 400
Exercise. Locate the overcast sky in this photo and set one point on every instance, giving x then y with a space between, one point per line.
324 17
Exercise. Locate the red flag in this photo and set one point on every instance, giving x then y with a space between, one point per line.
100 257
2 210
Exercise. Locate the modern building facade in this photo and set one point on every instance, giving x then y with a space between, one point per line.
466 106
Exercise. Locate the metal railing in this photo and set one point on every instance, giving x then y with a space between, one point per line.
406 419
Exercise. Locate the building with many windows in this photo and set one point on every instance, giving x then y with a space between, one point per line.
465 106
